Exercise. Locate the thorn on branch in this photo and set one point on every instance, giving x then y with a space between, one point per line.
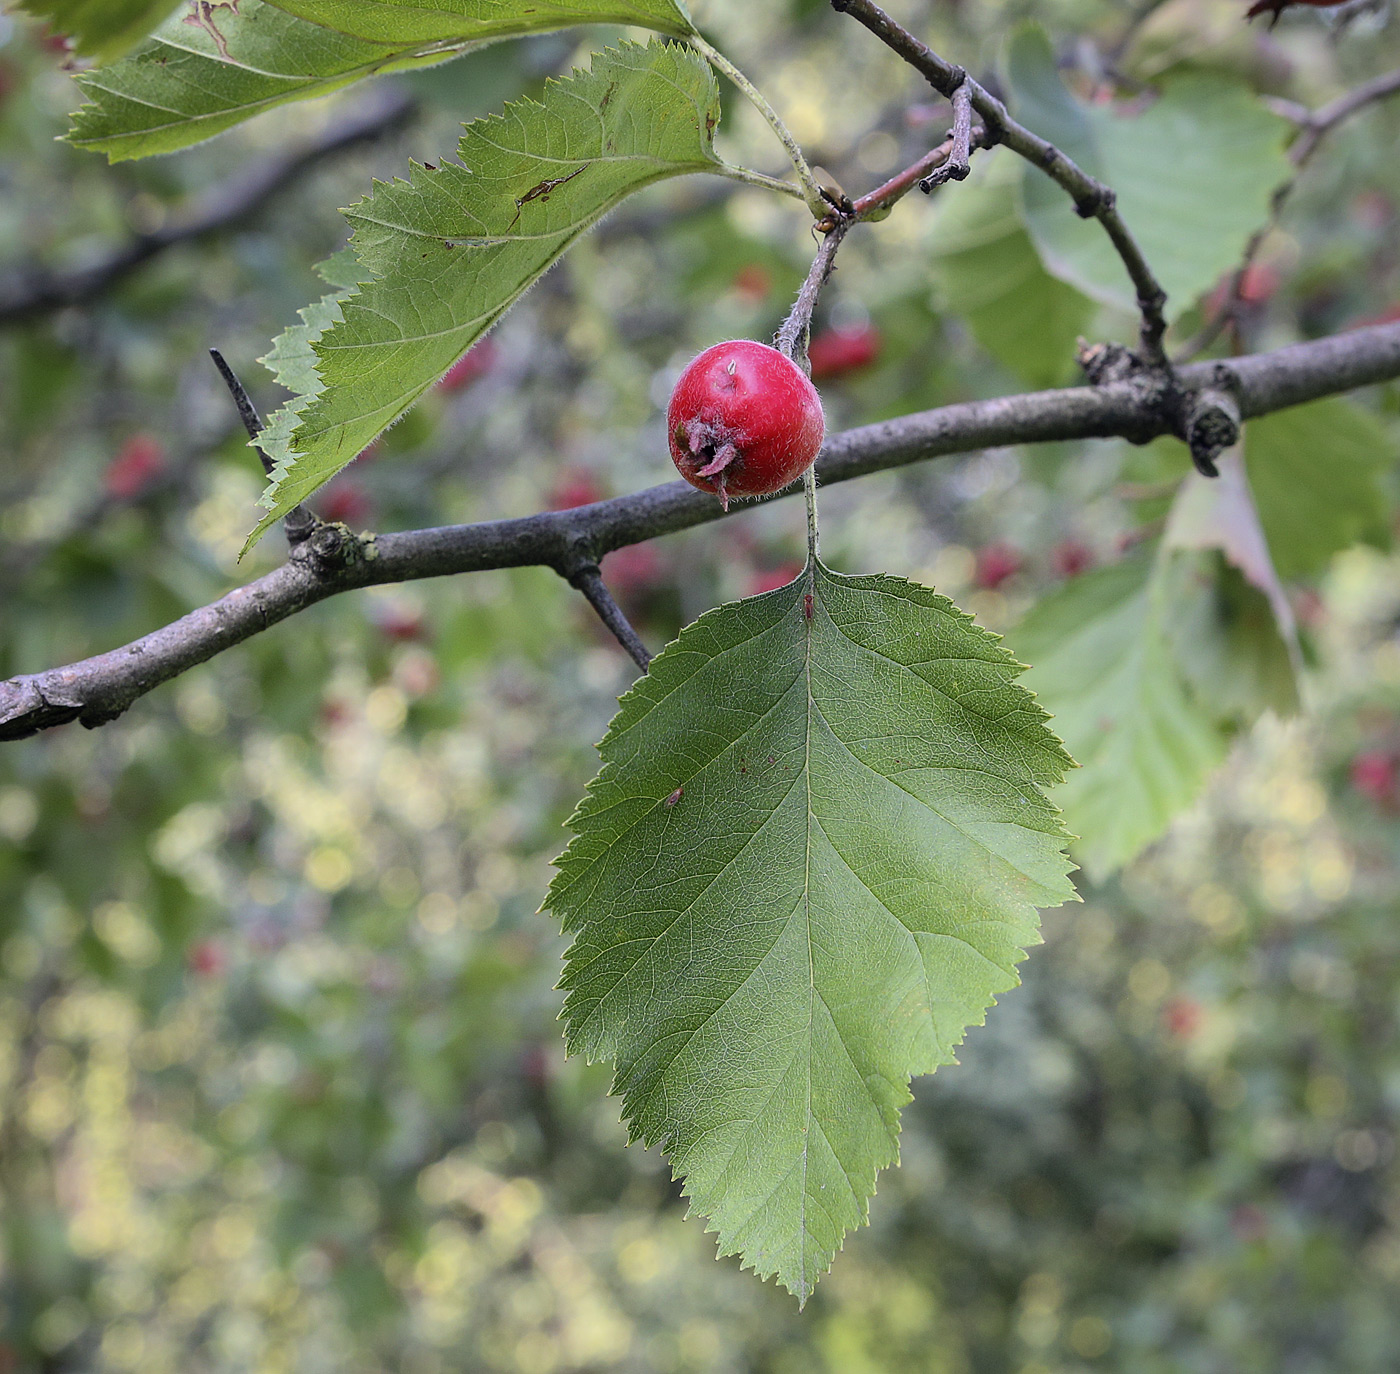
299 523
589 580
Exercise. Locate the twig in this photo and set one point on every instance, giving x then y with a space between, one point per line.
1092 199
1323 121
878 202
959 160
590 582
811 192
299 523
1313 127
99 689
791 338
32 291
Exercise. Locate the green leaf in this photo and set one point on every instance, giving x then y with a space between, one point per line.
455 21
451 249
292 361
812 858
1230 647
1104 664
1194 174
191 82
103 29
1316 475
986 270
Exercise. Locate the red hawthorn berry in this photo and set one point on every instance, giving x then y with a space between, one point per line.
633 570
346 502
476 362
1182 1017
402 625
1070 557
139 461
743 421
1258 283
206 959
834 352
770 579
1374 775
752 281
575 487
995 564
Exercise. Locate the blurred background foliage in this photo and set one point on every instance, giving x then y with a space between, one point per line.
281 1085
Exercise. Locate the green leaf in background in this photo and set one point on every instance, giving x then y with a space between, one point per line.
191 82
1315 471
1194 174
456 21
812 858
103 29
1104 666
1229 646
986 270
452 248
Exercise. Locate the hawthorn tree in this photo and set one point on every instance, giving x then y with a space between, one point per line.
829 812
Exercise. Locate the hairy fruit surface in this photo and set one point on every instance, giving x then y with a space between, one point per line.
743 421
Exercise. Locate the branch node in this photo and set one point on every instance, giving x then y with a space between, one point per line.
1212 420
1099 200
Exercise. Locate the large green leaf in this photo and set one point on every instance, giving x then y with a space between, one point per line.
452 248
812 858
1194 174
191 82
101 28
1315 471
986 270
1104 664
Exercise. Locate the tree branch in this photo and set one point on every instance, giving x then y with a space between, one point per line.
589 580
333 560
1313 127
31 292
1092 199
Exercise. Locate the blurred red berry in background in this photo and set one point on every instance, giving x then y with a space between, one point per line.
1375 773
1182 1017
1070 557
140 460
753 282
345 501
206 958
770 579
476 362
575 487
835 352
995 564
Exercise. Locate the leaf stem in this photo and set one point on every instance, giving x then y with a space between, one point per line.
811 192
751 178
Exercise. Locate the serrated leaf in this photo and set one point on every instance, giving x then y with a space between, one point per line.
1194 175
291 359
812 858
1104 665
103 29
986 270
191 82
1315 471
449 251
